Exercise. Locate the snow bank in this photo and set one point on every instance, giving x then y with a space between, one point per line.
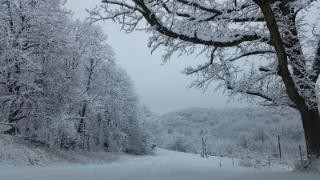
14 151
308 166
18 152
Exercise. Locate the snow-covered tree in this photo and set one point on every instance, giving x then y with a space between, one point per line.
227 132
260 48
59 83
29 42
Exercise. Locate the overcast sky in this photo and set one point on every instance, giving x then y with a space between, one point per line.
163 88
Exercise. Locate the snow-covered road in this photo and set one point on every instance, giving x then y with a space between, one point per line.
166 165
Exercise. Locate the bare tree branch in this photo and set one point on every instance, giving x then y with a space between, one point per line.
262 52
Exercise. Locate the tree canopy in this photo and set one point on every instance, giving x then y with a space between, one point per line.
261 48
59 82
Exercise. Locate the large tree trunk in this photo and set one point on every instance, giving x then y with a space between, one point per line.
311 126
310 116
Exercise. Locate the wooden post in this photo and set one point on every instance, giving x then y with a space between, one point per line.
279 146
300 152
15 129
202 143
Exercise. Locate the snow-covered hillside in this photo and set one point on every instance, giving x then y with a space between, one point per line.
165 165
234 132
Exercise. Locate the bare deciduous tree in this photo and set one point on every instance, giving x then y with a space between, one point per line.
260 48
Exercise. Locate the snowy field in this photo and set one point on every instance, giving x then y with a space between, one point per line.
165 165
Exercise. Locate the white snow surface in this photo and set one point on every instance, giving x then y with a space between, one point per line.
164 165
15 151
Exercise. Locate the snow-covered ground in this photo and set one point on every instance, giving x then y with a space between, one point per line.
18 152
165 165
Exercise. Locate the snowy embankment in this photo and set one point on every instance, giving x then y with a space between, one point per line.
165 165
17 152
